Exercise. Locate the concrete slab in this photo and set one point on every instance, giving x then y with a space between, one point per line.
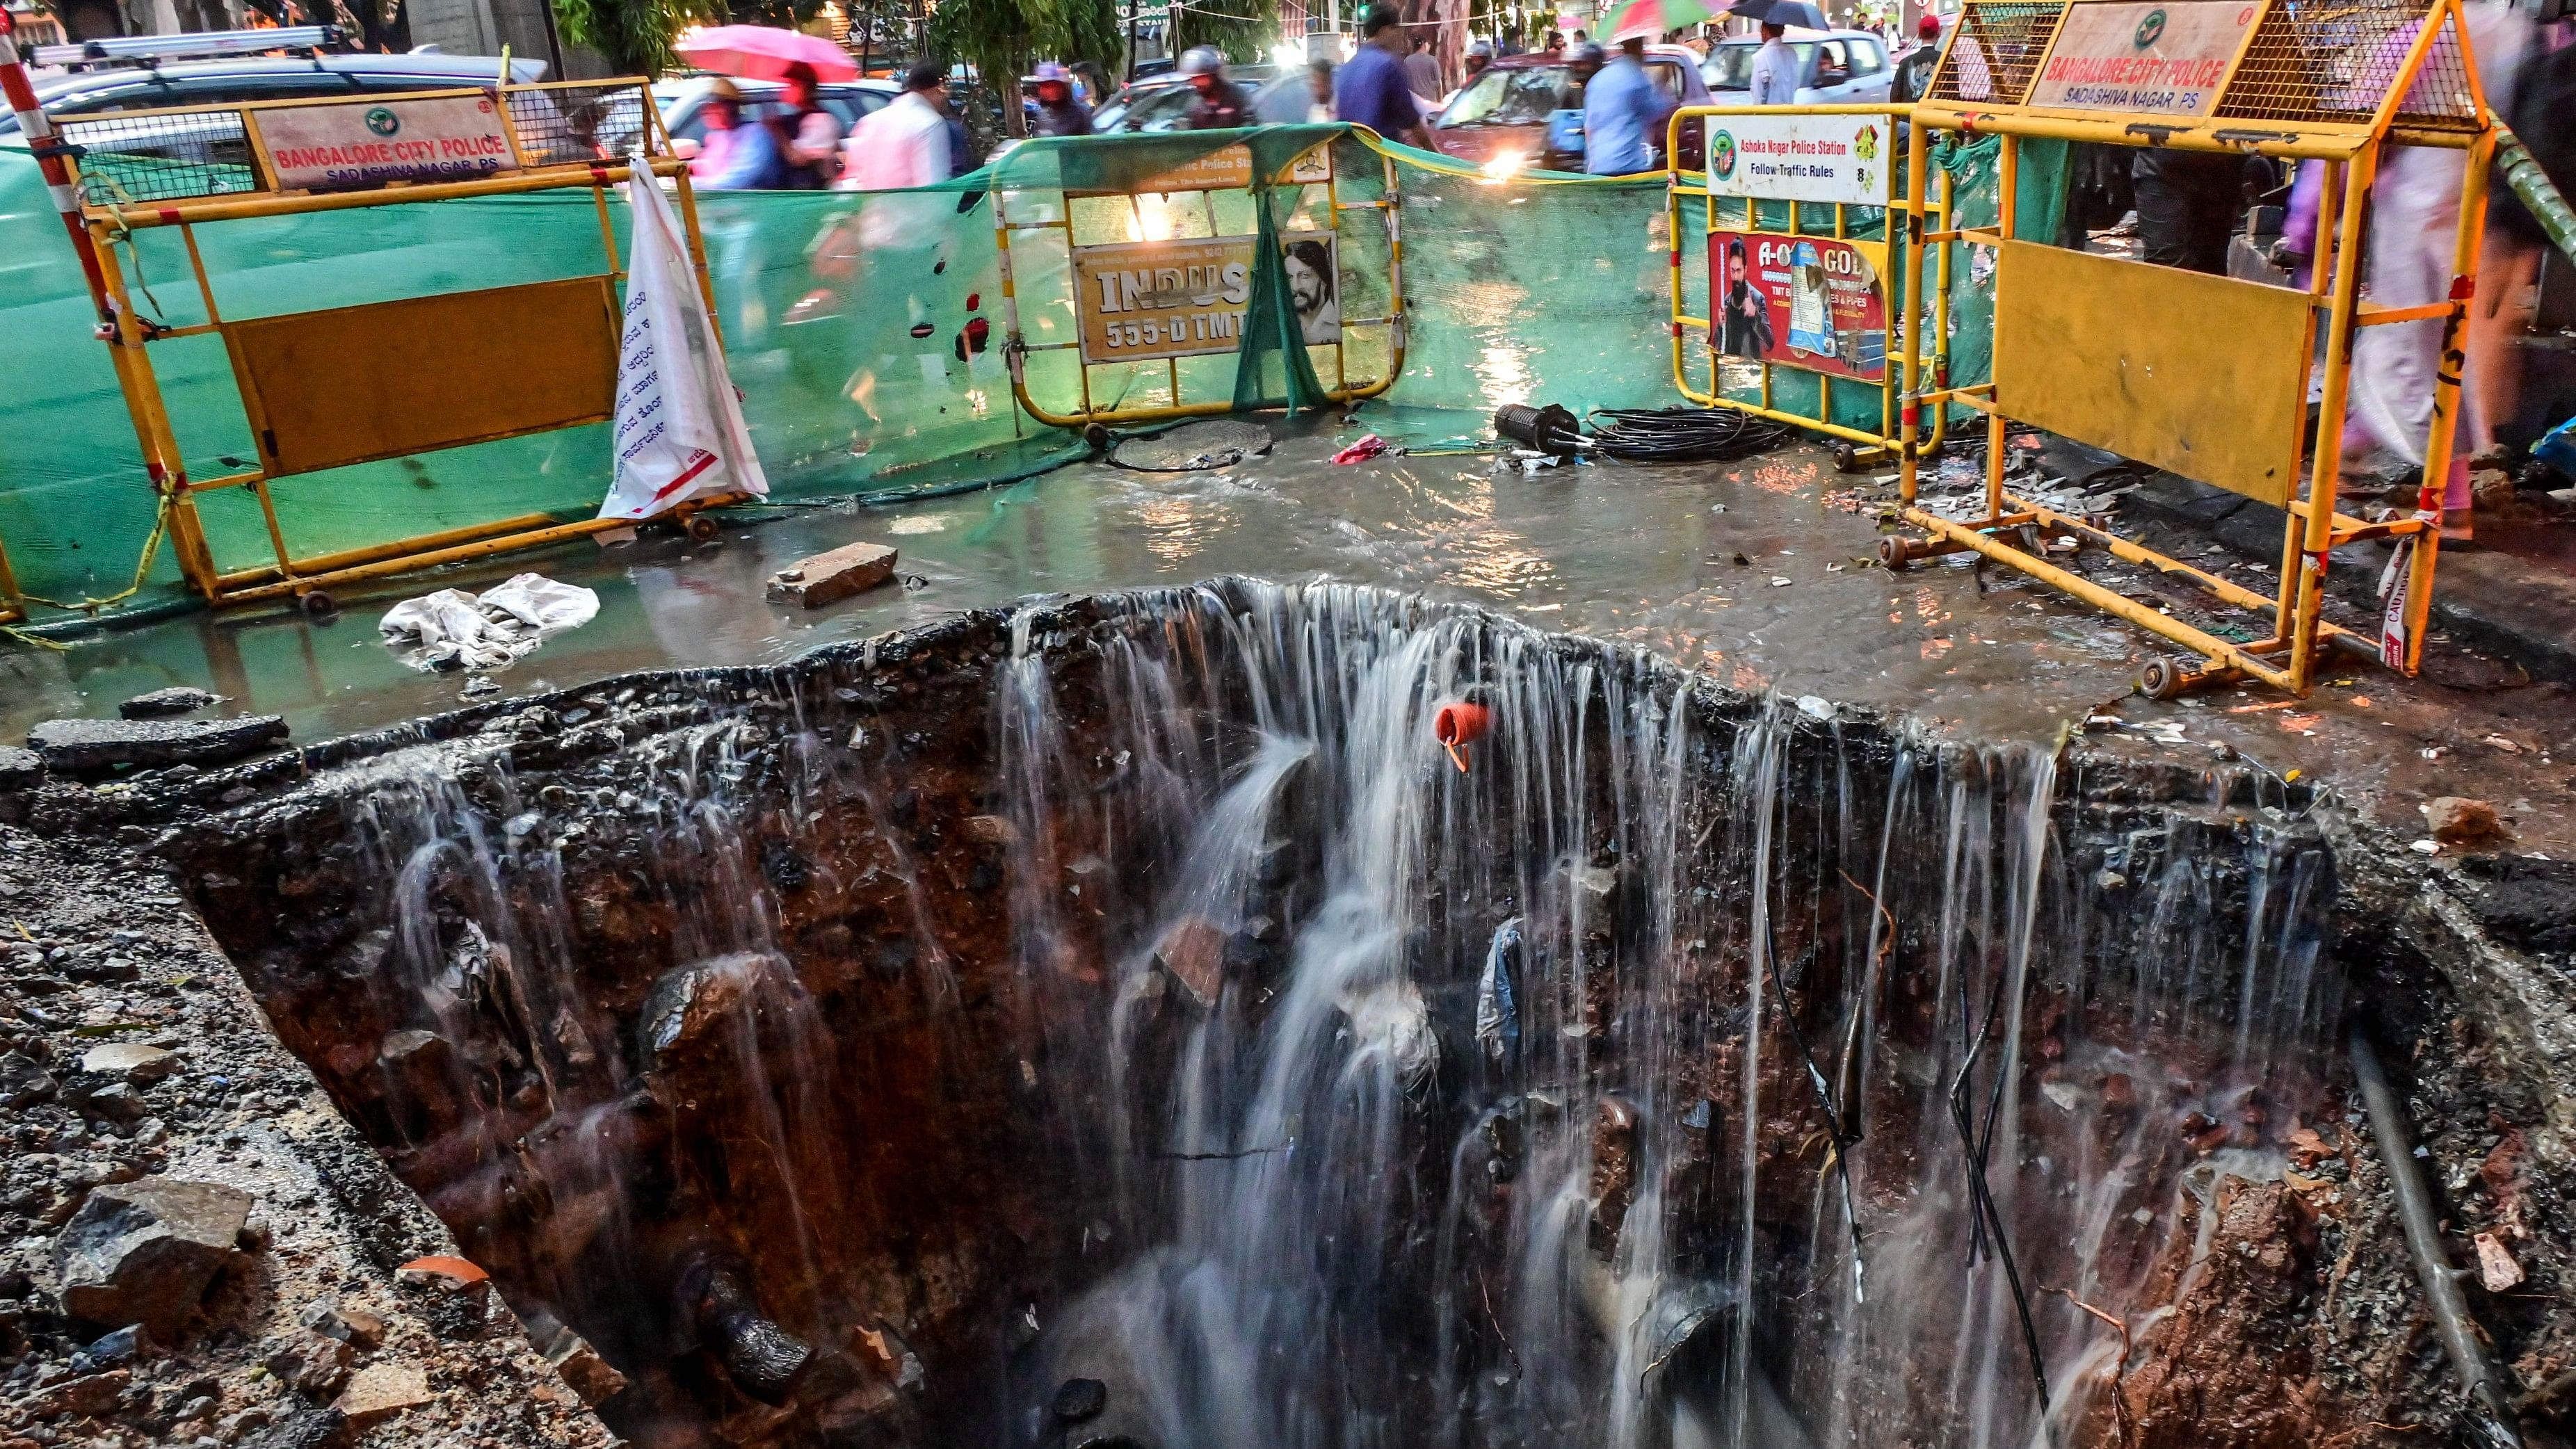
830 577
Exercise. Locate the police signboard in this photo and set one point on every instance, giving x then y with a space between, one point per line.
382 138
1228 168
2157 57
1800 158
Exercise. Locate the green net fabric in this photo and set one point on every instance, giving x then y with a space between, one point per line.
865 331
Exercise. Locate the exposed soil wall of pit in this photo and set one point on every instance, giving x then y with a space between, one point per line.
1132 989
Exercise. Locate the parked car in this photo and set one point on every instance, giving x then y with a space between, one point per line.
221 82
1162 102
216 145
1836 67
1505 112
683 101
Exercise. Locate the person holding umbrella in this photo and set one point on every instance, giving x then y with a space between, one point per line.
808 136
796 151
1777 72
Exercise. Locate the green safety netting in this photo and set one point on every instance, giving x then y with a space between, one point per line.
864 330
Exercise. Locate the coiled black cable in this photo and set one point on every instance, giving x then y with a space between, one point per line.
1682 435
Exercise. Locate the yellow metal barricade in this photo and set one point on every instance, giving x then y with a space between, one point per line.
341 386
1162 272
1786 296
13 604
2206 376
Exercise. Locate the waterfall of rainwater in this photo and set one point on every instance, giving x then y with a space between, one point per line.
480 955
1512 1105
1665 1067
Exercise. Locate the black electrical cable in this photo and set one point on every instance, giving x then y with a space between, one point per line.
1824 1098
1682 435
1981 1199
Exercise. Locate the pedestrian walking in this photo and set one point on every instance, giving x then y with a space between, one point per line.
808 135
1319 90
1914 73
734 155
1422 73
2187 202
906 142
2414 225
1623 114
1775 68
1370 88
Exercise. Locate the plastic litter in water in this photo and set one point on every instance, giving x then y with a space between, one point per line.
1194 447
452 629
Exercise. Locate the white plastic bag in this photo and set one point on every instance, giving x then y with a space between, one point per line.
541 603
452 629
679 430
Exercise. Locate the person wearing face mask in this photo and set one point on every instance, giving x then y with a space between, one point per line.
735 154
1058 114
1221 104
809 135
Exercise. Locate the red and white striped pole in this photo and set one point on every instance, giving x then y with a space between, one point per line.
49 150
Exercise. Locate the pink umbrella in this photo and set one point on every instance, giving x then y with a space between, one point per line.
763 52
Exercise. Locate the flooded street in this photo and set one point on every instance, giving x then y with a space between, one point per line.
1743 571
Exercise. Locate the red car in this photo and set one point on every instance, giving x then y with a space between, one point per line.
1505 110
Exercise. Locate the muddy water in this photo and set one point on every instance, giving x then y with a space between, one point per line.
1641 556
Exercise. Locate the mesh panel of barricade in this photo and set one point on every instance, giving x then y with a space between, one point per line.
865 330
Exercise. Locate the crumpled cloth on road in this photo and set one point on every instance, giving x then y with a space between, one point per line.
452 629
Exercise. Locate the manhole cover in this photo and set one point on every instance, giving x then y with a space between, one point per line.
1193 447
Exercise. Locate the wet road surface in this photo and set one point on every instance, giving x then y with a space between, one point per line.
1744 570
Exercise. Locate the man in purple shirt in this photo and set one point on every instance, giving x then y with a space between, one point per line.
1371 89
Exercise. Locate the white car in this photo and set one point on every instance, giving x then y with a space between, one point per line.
1840 68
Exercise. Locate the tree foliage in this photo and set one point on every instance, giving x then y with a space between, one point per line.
784 14
1003 38
635 35
1243 29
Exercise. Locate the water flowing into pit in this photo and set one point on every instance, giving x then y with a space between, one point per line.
1134 990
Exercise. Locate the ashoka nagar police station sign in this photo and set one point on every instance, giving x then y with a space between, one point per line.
373 141
2168 59
1800 158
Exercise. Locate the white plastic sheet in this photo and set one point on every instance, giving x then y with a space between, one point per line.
452 629
679 430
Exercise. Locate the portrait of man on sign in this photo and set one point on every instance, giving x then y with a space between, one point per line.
1312 288
1744 318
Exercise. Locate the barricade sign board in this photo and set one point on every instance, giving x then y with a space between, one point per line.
1810 302
1156 299
2244 385
2147 57
1164 268
1792 157
331 388
1228 168
1149 300
380 139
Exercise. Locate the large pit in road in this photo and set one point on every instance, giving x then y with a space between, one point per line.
1121 1020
